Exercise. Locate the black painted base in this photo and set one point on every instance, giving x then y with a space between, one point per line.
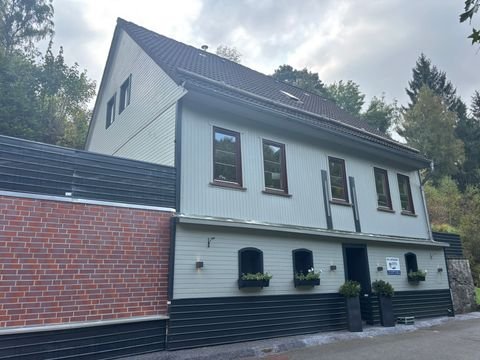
354 315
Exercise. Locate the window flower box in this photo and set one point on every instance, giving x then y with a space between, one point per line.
415 277
312 282
253 283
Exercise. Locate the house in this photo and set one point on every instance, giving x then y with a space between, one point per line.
270 178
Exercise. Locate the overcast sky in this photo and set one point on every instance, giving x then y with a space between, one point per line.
373 42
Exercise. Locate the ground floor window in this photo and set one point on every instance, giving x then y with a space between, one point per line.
302 261
250 261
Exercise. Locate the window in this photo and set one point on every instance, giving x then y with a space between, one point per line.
250 261
383 188
125 94
302 261
338 179
405 194
274 166
227 163
110 112
411 262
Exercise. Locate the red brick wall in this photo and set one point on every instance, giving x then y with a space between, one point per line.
63 262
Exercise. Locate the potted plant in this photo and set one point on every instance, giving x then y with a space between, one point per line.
416 276
350 290
311 278
260 280
384 291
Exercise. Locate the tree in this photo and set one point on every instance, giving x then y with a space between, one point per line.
468 130
470 230
301 78
444 203
24 22
430 127
230 53
426 74
347 95
470 9
380 115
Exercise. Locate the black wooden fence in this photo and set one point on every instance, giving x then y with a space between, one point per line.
32 167
455 250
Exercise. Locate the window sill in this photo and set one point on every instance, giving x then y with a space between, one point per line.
408 213
385 209
227 185
340 202
278 193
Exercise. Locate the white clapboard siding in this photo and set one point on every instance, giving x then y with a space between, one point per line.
145 130
220 272
306 157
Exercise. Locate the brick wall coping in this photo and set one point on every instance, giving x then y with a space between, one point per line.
76 325
83 201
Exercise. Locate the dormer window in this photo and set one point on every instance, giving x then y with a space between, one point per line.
125 91
110 112
290 96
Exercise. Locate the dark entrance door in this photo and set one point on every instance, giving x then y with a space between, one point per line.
355 259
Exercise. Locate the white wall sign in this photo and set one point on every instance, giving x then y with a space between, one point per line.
393 266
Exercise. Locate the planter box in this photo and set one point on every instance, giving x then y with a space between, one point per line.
415 279
354 315
386 311
312 283
253 283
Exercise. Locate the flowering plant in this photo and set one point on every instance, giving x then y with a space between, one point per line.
310 275
257 276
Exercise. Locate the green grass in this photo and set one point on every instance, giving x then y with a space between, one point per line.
477 290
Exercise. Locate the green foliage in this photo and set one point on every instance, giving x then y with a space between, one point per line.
477 291
444 202
41 97
417 275
347 95
350 289
470 229
444 228
257 276
230 53
310 275
430 127
301 78
470 9
380 115
24 22
383 288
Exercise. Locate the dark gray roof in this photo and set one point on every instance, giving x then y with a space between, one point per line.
180 61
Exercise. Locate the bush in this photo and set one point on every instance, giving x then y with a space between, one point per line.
350 289
382 288
257 276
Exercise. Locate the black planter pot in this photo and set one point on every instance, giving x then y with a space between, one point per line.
354 315
253 283
387 318
312 283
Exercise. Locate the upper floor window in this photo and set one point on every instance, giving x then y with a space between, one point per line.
125 90
110 112
227 161
274 166
383 189
338 179
405 193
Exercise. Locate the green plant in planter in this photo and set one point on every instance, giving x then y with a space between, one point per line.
382 288
310 275
257 276
350 289
417 275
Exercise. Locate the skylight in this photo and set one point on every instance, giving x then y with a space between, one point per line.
290 96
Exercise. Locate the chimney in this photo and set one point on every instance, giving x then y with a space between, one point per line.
204 47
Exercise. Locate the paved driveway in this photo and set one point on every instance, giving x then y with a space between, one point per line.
456 340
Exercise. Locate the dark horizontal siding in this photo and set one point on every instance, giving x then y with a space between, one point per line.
31 167
214 321
421 304
92 343
455 250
